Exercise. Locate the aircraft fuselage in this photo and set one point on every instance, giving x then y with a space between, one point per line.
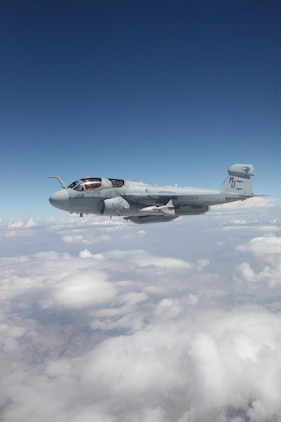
143 203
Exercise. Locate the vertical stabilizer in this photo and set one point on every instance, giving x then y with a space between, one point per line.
239 180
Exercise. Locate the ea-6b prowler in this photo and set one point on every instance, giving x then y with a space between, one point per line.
143 203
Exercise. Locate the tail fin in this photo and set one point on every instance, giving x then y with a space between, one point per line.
238 180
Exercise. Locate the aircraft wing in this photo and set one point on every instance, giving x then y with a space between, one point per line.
178 198
164 206
237 186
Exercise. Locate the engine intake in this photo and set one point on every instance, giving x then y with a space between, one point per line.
114 206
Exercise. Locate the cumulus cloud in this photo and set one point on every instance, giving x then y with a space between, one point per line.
82 240
74 239
142 259
263 246
16 224
80 291
187 369
267 250
87 254
246 271
31 223
254 202
133 330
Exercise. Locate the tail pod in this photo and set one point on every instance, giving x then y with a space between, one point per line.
238 181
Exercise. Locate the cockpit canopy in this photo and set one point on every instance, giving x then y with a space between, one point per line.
92 183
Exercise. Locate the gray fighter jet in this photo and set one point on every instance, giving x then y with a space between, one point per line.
143 203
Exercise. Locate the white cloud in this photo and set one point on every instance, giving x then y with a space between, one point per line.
267 250
202 263
31 223
16 224
246 271
207 367
263 245
254 202
136 331
74 239
82 240
142 259
82 290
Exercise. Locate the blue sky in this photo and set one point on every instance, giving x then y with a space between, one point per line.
163 91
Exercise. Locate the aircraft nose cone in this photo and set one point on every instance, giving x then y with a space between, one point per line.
60 199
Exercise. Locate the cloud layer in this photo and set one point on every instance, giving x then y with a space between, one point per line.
140 328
